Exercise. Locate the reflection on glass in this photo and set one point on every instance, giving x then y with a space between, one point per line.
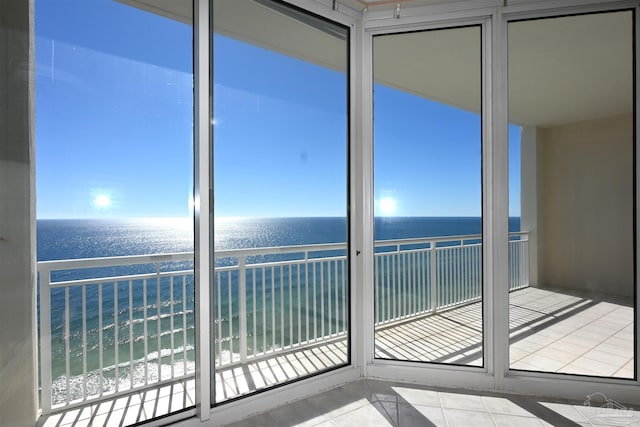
281 293
114 179
428 196
571 109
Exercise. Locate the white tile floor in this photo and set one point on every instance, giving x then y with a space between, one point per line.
451 336
127 410
558 332
255 375
377 403
551 331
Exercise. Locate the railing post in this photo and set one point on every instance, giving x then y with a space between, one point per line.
242 313
159 323
434 278
45 341
526 262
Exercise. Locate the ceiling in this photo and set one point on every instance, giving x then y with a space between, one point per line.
376 4
553 63
181 9
570 69
442 65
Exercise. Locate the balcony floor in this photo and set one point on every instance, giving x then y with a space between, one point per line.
129 409
558 332
242 379
550 331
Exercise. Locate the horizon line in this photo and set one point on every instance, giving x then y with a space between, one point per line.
156 218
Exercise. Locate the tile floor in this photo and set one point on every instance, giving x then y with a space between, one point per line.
378 404
550 331
558 332
450 336
254 375
129 409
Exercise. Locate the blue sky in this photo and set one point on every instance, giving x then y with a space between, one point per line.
280 142
427 155
113 111
114 127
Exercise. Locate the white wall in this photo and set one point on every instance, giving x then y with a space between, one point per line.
18 405
585 205
529 195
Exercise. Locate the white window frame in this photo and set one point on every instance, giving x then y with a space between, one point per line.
235 410
453 375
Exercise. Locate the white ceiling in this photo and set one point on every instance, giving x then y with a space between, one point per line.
569 69
561 70
442 65
273 30
378 4
180 10
269 29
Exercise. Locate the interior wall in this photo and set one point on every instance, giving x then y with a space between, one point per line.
528 195
18 391
585 206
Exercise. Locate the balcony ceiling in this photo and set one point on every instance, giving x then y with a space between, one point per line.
571 69
553 67
391 4
546 89
181 9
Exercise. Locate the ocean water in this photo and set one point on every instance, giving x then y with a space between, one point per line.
72 238
119 339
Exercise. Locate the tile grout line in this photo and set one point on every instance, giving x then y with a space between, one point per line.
581 354
488 411
444 413
597 345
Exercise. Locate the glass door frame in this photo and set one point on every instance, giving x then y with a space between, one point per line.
496 374
582 385
426 32
204 227
453 375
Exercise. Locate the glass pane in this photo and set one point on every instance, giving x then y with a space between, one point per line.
281 294
428 196
572 185
114 120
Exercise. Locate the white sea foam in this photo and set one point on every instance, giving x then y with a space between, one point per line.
97 385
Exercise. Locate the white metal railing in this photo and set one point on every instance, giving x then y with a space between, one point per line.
120 332
100 336
298 298
419 276
421 280
519 268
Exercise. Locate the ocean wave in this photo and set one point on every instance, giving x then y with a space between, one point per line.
98 384
130 376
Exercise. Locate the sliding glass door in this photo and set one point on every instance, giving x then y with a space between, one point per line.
114 127
571 108
280 120
428 196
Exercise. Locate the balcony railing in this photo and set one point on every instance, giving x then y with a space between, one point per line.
114 325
